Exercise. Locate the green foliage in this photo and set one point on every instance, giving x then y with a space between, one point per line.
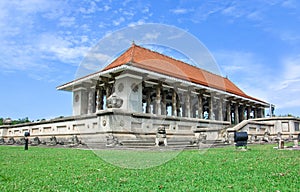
19 121
222 169
14 122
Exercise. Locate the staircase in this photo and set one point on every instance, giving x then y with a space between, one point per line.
173 143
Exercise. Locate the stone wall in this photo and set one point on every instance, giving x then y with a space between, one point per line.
269 129
116 124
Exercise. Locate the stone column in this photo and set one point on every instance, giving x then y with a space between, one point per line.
174 103
243 113
248 112
91 101
262 112
178 104
211 106
99 99
163 103
236 113
255 113
148 101
220 108
200 106
228 111
158 100
188 104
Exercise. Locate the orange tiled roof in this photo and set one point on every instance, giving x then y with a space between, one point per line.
146 59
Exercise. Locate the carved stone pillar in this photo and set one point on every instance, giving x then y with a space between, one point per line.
188 104
163 103
174 103
228 111
255 113
236 113
158 100
148 101
99 99
220 109
178 111
262 112
91 101
200 106
242 117
211 107
248 112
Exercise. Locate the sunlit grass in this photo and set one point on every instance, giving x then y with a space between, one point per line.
262 168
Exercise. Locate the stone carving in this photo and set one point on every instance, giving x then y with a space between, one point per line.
134 87
2 141
20 141
114 101
200 138
35 141
76 98
53 141
122 123
11 141
290 137
161 136
253 138
104 122
278 137
111 140
266 137
74 141
120 87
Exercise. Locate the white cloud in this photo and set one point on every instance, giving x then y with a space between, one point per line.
179 11
151 36
290 36
284 91
247 71
290 4
106 8
117 22
67 21
292 68
139 22
61 49
91 9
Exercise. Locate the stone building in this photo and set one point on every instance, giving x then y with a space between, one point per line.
142 91
151 83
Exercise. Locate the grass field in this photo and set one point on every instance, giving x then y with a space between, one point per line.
221 169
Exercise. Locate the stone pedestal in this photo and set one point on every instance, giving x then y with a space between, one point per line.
280 144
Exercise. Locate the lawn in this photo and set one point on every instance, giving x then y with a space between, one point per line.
220 169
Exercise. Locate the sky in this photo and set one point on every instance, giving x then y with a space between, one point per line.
256 44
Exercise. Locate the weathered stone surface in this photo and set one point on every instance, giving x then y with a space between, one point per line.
114 101
161 136
35 141
53 141
11 141
2 141
111 140
20 141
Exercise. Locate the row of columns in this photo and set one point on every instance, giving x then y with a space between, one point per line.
200 104
234 110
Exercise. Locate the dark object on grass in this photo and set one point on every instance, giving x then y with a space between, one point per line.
240 139
26 134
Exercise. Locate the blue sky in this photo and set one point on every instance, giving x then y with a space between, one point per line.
255 43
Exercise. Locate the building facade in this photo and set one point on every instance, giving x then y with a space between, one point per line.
142 91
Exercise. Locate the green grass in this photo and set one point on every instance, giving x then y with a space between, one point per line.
221 169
